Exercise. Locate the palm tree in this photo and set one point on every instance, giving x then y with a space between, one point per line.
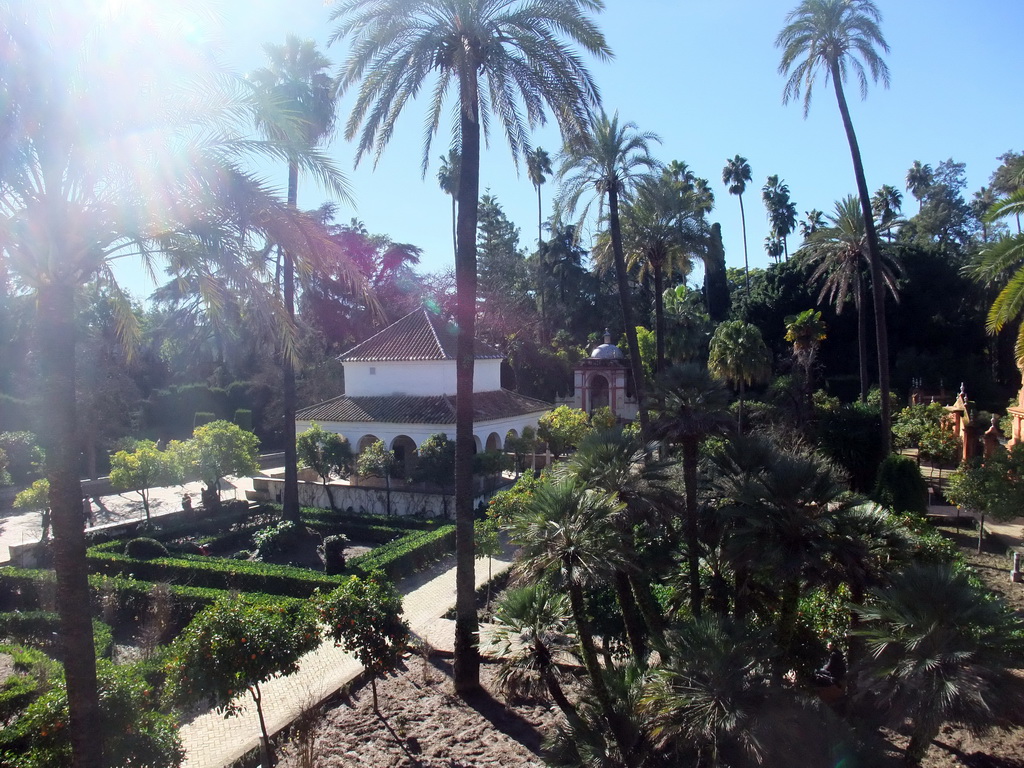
538 167
886 205
740 356
616 462
832 38
981 203
939 652
448 180
781 210
609 159
920 178
508 59
79 190
694 407
714 696
838 253
815 220
295 84
805 331
662 227
1000 264
568 534
531 634
736 174
783 505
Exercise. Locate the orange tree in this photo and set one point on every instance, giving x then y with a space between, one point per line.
234 646
365 616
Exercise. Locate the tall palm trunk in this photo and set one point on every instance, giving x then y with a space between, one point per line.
585 635
739 412
56 328
659 315
631 618
690 459
789 606
874 260
627 310
290 497
467 657
746 266
862 339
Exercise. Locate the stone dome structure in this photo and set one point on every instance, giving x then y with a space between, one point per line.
606 351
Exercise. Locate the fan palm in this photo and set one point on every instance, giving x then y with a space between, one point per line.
531 634
694 407
505 58
805 331
295 82
448 180
79 190
617 462
886 205
940 651
736 174
815 220
714 696
833 38
783 502
838 253
740 356
568 534
609 160
538 168
920 178
781 210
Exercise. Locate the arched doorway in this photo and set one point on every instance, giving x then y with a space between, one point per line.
404 448
599 397
493 442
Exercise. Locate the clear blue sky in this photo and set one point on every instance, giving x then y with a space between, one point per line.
703 76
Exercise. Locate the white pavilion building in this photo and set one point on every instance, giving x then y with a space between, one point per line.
400 389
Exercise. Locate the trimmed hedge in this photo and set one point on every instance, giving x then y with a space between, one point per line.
121 602
38 629
407 555
211 572
33 670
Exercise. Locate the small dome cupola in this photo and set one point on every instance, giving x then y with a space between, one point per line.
606 351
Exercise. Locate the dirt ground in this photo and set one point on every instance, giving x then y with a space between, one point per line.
424 725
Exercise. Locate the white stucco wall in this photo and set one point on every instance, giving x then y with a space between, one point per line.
433 377
388 431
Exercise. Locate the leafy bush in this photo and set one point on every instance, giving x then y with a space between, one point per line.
39 629
851 437
275 540
334 553
33 671
900 486
407 555
24 456
145 549
135 733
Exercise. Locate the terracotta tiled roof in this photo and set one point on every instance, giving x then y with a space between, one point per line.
420 335
411 409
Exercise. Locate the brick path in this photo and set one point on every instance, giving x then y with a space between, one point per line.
213 741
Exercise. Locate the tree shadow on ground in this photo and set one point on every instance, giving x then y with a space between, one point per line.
978 759
496 713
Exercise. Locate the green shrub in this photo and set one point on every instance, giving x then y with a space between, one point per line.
850 436
407 555
24 456
145 549
243 419
900 486
135 732
334 553
33 672
277 539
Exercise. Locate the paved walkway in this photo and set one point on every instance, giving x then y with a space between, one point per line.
18 527
213 741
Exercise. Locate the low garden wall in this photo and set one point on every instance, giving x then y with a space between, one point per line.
368 497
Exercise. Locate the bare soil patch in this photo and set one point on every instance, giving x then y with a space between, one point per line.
422 724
